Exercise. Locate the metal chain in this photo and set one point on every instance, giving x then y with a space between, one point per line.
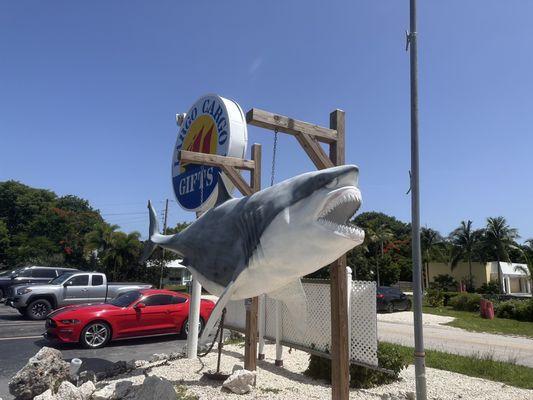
274 151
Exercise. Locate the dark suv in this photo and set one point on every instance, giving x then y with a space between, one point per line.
392 299
28 275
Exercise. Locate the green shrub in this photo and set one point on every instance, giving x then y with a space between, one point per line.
489 288
515 309
435 297
444 282
465 302
389 357
448 296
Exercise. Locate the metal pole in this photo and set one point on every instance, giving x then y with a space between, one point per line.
163 250
194 318
420 356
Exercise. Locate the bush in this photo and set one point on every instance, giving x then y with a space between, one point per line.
444 282
465 302
435 297
448 296
515 309
489 288
389 358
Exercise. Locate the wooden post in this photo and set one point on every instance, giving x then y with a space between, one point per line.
340 362
252 307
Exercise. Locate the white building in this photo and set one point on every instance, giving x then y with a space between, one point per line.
515 277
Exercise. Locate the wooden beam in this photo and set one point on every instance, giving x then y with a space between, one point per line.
340 351
251 329
237 179
268 120
313 149
215 160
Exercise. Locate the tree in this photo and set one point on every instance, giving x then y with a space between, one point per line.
124 251
498 239
100 240
430 240
464 239
378 234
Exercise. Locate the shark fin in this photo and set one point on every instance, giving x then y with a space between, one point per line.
217 311
293 296
154 237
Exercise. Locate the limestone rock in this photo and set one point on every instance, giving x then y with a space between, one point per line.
86 376
47 395
240 381
116 390
87 389
67 391
158 357
155 387
43 371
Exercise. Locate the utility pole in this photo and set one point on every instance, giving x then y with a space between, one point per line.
163 250
419 354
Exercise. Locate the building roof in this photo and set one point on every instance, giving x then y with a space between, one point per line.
511 269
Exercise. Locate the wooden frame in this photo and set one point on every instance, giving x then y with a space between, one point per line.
231 166
309 136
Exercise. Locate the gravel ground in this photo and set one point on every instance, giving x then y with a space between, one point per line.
407 317
290 383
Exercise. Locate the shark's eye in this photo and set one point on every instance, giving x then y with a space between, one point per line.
333 183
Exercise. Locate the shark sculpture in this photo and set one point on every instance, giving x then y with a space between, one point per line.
264 243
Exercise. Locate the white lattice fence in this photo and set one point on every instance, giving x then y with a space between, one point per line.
316 336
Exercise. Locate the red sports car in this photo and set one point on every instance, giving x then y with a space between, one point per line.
133 314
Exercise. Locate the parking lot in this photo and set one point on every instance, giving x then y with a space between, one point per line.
20 339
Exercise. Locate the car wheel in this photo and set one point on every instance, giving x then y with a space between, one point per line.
38 309
390 308
185 328
1 294
408 306
95 335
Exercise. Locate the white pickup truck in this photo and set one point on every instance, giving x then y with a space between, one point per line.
36 301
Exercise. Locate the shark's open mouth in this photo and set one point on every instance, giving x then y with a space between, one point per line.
339 208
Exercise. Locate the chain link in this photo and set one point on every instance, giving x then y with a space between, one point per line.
274 151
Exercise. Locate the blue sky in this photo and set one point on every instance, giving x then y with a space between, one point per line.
89 93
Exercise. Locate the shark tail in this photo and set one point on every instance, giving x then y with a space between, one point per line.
154 237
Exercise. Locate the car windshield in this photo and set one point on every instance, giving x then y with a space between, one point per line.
125 299
61 278
10 273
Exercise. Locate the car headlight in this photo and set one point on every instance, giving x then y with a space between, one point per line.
23 291
70 321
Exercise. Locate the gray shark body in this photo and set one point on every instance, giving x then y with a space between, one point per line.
264 242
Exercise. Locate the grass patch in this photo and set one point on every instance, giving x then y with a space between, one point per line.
181 393
472 321
483 367
270 390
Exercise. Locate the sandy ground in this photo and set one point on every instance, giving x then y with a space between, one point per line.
289 382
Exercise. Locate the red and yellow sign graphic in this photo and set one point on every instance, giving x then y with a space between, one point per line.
201 138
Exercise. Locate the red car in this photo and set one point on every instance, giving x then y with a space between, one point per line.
133 314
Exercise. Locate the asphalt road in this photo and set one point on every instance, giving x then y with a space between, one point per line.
20 339
518 350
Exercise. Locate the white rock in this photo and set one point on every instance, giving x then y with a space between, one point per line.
158 357
115 390
67 391
240 381
140 363
410 395
45 396
87 390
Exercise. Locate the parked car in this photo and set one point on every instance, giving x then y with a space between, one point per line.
70 288
28 275
392 299
136 313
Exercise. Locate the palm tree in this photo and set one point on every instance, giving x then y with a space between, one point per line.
429 241
525 249
498 239
379 234
100 239
464 239
125 249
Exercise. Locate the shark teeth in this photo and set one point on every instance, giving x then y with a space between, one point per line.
338 212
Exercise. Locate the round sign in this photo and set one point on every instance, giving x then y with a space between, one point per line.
213 125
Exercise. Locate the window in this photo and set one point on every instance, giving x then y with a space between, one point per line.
44 273
25 273
126 298
97 280
158 300
178 300
79 280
